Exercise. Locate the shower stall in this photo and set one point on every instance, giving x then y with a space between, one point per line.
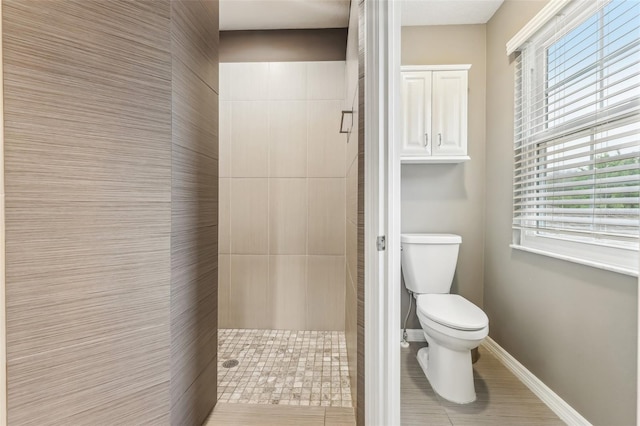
287 215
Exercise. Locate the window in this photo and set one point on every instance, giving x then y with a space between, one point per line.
577 136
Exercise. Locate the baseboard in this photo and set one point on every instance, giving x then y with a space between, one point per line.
542 391
414 335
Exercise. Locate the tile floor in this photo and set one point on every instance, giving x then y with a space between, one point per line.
225 414
282 367
502 398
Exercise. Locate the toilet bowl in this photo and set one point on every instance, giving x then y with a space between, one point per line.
451 324
447 360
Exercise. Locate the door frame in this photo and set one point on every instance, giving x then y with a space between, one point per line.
382 212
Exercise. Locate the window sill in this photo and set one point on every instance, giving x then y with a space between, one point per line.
591 263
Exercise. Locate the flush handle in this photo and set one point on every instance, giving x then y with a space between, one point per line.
426 139
439 139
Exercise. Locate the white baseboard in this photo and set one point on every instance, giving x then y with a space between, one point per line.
542 391
414 335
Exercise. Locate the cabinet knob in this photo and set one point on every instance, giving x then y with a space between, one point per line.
439 139
426 139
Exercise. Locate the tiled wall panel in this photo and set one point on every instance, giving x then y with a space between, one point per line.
87 109
325 292
326 216
359 281
282 163
111 214
352 102
287 130
194 210
288 221
287 275
360 378
248 291
326 151
249 211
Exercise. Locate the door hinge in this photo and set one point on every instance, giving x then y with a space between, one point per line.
381 242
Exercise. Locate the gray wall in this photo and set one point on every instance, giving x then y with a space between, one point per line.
573 326
194 208
106 299
449 198
283 45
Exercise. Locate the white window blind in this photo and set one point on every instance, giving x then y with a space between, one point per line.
577 132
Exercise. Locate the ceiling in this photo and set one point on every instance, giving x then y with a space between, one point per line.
448 12
307 14
283 14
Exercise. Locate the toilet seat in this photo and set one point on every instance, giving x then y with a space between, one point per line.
452 311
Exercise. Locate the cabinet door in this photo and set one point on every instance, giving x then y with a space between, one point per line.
449 120
416 112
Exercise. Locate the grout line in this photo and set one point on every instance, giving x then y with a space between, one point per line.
308 201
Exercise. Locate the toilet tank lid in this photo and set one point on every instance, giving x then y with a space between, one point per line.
431 238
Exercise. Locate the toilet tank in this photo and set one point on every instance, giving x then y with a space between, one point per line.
429 261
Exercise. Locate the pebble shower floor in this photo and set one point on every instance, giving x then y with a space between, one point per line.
284 367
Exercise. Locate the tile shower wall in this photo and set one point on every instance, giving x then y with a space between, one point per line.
194 182
351 172
282 196
111 143
87 109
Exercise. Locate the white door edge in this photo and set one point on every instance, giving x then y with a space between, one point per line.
393 211
372 258
382 212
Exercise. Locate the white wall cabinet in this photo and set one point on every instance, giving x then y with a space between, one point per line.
416 111
434 109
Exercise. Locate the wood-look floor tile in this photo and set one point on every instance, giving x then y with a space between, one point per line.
495 407
339 416
474 420
265 415
501 398
420 405
418 418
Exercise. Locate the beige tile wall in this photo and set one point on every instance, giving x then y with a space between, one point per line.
282 196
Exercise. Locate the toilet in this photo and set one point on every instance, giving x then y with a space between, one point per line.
451 324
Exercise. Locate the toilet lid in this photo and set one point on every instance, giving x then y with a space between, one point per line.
452 311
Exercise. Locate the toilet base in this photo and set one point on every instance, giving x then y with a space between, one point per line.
449 372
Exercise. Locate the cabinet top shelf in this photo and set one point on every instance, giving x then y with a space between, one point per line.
458 67
434 159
